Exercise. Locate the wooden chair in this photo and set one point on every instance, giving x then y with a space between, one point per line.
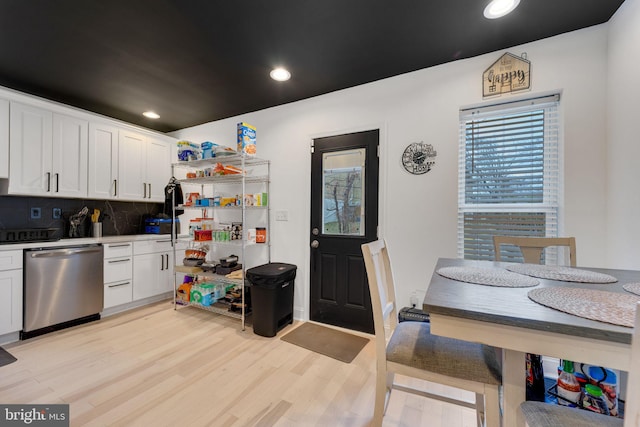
539 414
532 247
413 351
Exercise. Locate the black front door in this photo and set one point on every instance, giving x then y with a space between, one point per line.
344 215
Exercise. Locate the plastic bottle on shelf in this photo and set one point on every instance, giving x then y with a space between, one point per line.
207 223
593 400
607 380
194 224
568 386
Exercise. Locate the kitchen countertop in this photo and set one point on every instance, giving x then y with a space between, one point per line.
84 241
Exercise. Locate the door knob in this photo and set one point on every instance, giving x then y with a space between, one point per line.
315 244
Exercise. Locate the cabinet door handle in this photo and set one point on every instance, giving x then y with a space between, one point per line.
144 184
167 255
120 246
161 262
115 187
149 190
48 181
57 182
119 284
119 260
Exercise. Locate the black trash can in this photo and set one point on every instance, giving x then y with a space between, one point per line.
271 297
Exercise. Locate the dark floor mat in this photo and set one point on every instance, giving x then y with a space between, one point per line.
330 342
6 357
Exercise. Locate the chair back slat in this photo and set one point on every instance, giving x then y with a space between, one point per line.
381 287
388 308
532 247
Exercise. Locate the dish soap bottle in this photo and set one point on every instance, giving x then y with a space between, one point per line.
568 386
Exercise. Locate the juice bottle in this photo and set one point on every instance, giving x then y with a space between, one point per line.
261 234
568 386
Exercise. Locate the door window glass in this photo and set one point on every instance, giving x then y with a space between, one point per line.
343 192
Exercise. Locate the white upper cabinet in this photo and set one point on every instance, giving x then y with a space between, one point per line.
4 138
70 154
103 161
132 166
48 153
31 150
50 150
158 171
127 165
143 167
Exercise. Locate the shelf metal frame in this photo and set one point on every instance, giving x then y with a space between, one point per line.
215 309
244 178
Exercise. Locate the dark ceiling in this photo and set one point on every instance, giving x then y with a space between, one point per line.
195 61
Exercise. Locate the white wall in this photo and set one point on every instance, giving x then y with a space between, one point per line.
623 155
419 213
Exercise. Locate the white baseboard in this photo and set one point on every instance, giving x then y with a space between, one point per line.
135 304
9 338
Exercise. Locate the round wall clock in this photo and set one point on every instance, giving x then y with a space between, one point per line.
418 158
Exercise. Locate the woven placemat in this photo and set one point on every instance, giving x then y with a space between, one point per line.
565 274
634 288
488 277
603 306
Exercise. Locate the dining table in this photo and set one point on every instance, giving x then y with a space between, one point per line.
505 305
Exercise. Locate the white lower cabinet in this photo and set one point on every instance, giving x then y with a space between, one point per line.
137 270
11 291
118 274
152 268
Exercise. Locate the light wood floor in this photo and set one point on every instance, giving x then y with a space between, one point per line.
158 367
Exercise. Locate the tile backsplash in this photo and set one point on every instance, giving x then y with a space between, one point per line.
118 218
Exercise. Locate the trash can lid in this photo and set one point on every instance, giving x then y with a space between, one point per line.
272 272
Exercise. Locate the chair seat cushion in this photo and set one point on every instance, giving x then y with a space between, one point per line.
539 414
412 344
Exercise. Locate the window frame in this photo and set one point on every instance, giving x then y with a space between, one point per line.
552 174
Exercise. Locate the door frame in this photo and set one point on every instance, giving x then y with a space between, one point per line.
383 159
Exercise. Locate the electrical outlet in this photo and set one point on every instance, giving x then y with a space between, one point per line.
413 299
416 297
282 215
57 213
36 213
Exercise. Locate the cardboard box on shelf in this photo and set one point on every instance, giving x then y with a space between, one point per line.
246 139
261 199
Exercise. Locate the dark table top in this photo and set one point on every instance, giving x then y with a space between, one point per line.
512 307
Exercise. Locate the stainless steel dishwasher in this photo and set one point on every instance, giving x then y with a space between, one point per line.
63 286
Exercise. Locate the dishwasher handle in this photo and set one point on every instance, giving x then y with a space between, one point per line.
64 252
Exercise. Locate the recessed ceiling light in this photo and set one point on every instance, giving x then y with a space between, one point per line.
499 8
280 74
151 115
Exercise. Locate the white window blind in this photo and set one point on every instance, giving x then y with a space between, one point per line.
508 176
